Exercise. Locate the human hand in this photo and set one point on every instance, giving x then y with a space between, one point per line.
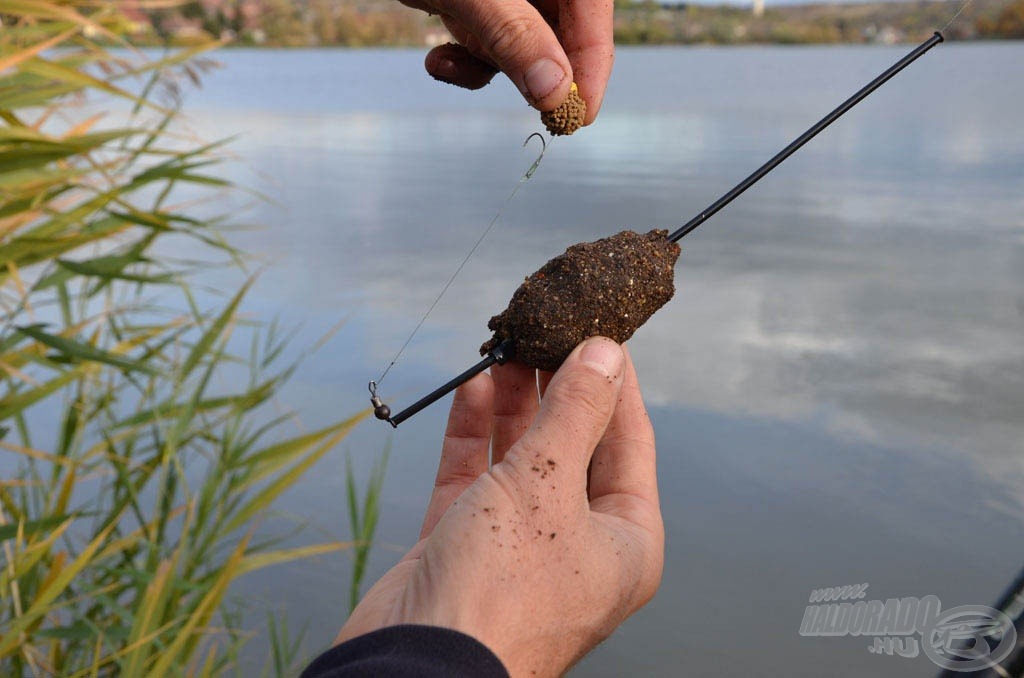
544 554
543 46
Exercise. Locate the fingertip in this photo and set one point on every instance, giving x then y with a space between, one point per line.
455 65
478 389
593 72
593 107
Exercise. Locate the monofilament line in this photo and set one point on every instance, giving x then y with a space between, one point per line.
956 16
469 255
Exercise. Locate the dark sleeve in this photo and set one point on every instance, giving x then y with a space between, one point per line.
408 651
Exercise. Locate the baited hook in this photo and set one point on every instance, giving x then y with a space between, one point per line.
543 149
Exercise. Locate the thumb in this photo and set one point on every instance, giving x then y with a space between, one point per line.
518 39
576 408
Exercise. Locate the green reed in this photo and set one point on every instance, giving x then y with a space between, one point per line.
141 446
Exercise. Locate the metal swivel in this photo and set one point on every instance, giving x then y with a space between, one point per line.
380 410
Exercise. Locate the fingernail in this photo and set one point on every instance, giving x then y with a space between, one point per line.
604 355
542 78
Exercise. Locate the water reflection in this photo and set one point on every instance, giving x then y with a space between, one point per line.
844 353
818 296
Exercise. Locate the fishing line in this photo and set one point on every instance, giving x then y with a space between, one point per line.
960 11
469 255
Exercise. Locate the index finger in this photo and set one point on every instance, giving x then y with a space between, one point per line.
518 39
515 405
587 34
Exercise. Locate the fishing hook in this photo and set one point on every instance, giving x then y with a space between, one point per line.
543 149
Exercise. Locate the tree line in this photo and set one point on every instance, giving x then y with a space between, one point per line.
373 23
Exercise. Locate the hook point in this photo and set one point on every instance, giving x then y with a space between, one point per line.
544 143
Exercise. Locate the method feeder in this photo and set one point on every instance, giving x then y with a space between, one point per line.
503 352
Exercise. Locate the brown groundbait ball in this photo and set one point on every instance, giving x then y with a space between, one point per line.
608 287
568 117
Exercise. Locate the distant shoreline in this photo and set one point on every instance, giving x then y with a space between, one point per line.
387 24
618 45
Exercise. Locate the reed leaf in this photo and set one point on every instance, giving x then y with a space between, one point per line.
11 60
28 556
265 462
18 401
258 561
31 527
283 481
363 520
82 352
213 334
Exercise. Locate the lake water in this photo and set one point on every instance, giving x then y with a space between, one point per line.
837 388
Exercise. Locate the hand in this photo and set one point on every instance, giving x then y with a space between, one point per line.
544 554
543 46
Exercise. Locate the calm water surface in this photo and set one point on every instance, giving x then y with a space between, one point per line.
837 389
